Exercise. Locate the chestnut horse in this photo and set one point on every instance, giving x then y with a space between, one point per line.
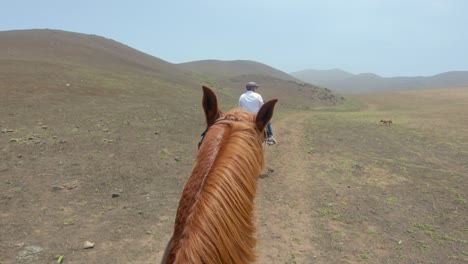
215 218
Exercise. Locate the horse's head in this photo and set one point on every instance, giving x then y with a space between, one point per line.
215 218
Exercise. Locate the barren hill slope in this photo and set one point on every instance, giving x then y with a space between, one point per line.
55 47
53 58
231 77
96 141
227 69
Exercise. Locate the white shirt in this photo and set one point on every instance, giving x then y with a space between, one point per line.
251 101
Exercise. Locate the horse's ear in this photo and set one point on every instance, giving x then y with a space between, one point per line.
265 114
210 105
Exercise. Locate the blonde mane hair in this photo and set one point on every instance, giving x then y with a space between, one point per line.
215 217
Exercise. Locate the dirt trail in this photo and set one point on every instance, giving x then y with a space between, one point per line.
284 220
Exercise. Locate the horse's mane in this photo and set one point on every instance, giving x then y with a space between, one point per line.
214 222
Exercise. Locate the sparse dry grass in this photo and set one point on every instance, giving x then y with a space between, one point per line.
395 193
104 158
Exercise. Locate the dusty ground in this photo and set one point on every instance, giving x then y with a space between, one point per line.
345 189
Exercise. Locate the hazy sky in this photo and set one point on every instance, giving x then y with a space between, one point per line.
386 37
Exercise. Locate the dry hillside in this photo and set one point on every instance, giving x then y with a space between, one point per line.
97 142
231 76
73 57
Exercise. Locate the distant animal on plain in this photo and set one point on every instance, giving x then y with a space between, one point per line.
215 218
386 122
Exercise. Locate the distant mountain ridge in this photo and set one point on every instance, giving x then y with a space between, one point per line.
345 82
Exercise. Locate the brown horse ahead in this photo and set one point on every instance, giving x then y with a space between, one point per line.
215 220
386 122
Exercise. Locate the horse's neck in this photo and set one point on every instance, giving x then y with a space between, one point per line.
216 162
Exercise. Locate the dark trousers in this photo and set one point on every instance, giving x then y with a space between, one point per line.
269 130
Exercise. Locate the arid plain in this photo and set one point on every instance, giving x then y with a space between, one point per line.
97 141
